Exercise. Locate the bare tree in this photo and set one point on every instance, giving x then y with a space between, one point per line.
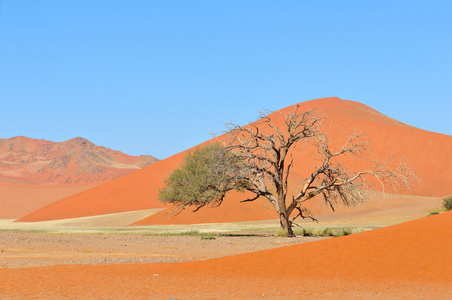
265 152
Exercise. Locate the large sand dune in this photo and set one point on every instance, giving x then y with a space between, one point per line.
406 261
428 153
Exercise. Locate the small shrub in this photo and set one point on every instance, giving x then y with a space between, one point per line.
346 231
302 232
316 231
328 232
447 203
305 232
281 233
207 238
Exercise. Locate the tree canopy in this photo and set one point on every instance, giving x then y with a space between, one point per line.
205 176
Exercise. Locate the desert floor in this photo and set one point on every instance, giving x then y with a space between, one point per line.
95 258
27 249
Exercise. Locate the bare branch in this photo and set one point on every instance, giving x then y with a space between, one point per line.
304 213
335 182
251 199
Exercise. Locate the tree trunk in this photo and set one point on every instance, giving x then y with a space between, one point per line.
285 224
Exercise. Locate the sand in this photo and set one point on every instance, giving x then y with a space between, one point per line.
406 261
32 249
18 200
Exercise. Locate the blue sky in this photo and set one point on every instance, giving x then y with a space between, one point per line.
153 77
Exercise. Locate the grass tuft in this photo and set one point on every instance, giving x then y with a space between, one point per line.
327 231
447 203
281 233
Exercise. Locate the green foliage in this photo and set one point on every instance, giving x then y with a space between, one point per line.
205 176
304 232
447 203
328 231
281 233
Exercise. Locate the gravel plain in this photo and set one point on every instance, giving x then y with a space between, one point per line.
30 249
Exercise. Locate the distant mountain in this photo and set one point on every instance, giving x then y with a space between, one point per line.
30 161
428 152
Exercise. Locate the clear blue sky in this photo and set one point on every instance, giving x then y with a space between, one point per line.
152 77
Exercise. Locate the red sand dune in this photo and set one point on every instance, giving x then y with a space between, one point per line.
428 153
411 260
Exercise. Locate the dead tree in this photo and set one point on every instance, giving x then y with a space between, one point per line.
259 158
266 152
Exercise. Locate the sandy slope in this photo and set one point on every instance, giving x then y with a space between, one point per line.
427 151
406 261
17 200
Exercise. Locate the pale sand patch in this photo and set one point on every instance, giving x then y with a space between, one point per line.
34 167
397 209
102 221
118 165
116 223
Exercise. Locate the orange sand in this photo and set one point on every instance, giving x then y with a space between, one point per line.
17 200
411 260
427 151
